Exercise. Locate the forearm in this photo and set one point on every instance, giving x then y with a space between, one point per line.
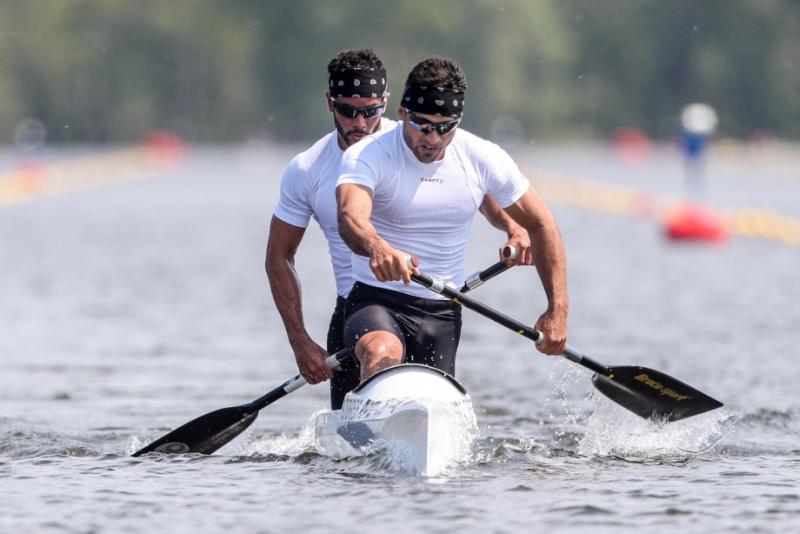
358 233
498 218
551 264
355 228
287 294
354 210
548 250
284 239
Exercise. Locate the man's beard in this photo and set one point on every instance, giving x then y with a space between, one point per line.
348 136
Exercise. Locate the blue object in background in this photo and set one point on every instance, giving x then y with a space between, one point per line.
693 143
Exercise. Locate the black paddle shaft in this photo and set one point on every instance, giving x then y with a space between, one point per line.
293 384
512 324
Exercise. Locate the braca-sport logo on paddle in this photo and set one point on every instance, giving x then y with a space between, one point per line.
652 394
660 387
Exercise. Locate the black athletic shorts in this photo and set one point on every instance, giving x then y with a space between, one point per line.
349 376
429 329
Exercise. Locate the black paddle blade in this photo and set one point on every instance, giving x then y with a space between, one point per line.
205 434
652 394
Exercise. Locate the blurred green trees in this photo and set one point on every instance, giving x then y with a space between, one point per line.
112 70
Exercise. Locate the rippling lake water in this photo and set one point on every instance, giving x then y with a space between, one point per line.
126 311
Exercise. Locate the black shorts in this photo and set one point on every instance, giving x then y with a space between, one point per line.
429 329
349 375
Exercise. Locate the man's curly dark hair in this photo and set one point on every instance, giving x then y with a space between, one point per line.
363 58
437 72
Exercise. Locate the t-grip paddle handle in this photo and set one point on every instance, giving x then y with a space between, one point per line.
478 278
510 252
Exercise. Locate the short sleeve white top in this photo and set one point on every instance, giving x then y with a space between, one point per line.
308 189
426 209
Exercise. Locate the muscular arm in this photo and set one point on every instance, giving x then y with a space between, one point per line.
550 260
354 209
284 239
517 235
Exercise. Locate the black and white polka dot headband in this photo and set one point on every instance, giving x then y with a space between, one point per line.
358 83
433 101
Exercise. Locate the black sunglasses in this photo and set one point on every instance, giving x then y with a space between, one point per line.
346 110
425 126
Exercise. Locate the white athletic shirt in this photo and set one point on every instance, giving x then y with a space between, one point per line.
308 189
426 209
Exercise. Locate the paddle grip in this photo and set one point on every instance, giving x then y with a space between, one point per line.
298 381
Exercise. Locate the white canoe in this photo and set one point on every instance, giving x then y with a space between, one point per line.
418 415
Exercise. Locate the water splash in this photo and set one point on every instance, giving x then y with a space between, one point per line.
493 450
285 444
563 412
613 431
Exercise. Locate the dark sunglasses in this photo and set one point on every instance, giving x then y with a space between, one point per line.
425 126
346 110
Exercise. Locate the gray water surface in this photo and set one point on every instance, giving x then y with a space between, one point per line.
126 311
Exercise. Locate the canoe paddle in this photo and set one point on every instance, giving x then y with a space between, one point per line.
211 431
646 392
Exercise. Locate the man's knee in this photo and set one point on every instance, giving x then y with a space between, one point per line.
379 344
378 350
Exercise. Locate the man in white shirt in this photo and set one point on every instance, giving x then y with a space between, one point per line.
412 191
356 97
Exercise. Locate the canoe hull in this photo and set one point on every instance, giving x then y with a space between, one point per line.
417 416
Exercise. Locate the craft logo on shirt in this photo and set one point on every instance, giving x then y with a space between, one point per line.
432 179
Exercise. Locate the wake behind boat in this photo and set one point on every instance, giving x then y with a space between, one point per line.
418 415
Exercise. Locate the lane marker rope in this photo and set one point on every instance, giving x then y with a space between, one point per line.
630 202
32 180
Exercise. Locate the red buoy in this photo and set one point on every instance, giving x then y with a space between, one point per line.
695 222
164 148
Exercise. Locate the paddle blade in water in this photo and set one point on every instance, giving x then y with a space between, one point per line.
652 394
205 434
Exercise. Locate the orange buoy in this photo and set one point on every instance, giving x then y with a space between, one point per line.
695 222
165 148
